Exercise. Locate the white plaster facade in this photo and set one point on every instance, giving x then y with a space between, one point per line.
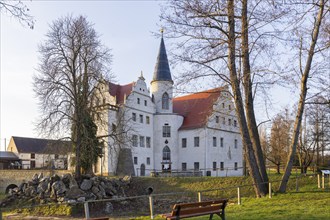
169 134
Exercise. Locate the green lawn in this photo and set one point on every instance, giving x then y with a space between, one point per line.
291 206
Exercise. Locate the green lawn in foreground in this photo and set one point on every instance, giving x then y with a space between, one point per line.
291 206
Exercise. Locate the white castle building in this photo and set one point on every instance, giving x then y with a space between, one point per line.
192 134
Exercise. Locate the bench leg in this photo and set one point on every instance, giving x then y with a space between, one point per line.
211 216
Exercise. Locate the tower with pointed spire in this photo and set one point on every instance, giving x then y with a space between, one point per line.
162 83
196 132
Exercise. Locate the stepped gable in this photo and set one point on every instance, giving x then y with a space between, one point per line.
196 108
119 91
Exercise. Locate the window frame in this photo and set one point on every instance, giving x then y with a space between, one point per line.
148 142
214 166
134 140
196 166
222 165
166 130
184 142
196 141
165 101
142 141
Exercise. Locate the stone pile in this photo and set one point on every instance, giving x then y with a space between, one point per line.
67 189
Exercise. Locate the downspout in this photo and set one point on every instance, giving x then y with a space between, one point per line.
205 157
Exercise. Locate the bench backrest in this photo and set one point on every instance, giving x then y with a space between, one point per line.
198 207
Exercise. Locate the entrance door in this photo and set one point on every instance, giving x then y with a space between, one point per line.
142 170
166 162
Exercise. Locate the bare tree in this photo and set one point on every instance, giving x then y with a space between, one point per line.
306 147
306 54
223 40
18 10
73 62
280 139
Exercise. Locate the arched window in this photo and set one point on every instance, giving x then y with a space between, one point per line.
166 153
165 101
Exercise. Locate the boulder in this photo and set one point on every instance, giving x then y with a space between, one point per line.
86 184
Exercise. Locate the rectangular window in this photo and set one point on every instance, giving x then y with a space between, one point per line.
56 156
135 140
142 141
147 119
134 116
229 121
223 105
236 166
216 119
166 130
222 166
229 107
145 102
235 143
196 141
184 142
214 141
33 156
221 142
184 166
223 120
135 160
196 166
214 166
148 160
148 142
138 100
141 118
235 123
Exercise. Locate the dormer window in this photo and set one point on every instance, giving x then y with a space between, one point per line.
165 101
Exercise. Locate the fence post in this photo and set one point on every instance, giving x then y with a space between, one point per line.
297 187
238 196
199 196
322 180
270 189
86 210
151 205
318 181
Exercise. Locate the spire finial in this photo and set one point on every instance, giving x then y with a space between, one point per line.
162 31
141 77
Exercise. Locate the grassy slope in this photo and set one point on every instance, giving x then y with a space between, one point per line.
308 203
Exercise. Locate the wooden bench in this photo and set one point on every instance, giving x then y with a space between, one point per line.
187 210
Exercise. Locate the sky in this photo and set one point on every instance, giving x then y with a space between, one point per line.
126 27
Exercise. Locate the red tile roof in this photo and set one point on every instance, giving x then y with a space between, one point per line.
119 91
196 108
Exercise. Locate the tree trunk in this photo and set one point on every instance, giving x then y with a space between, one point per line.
249 108
303 93
278 168
247 144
